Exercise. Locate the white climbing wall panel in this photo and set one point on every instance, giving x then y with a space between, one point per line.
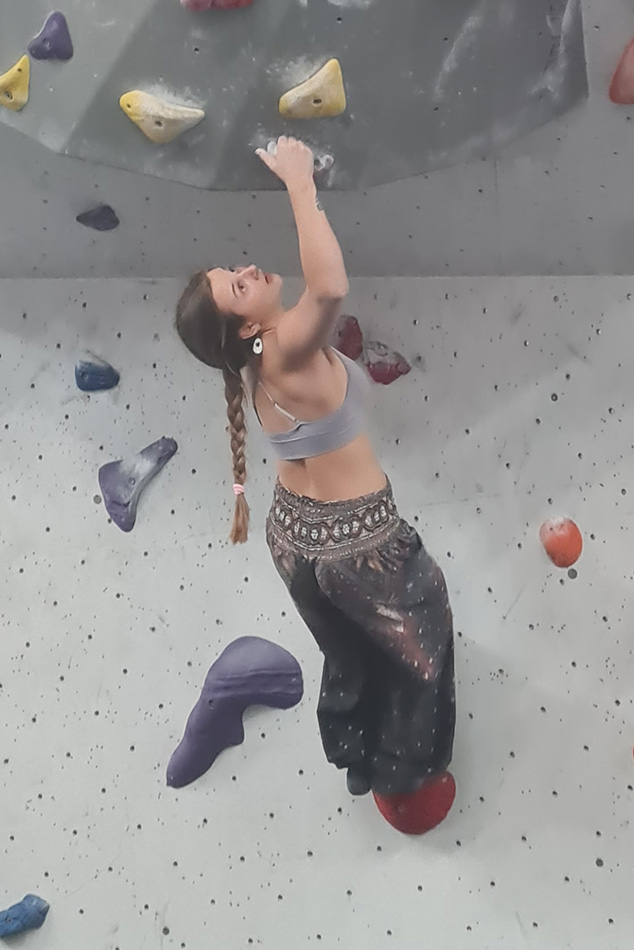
520 406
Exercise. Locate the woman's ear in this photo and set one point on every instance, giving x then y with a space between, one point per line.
248 330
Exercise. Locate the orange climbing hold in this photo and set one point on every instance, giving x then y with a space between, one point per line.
562 541
622 85
420 811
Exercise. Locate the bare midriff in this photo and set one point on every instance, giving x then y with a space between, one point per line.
346 473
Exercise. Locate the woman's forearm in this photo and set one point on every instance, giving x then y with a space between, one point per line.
321 257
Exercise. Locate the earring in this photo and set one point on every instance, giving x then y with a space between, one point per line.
258 346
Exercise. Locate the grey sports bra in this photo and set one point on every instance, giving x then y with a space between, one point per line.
309 439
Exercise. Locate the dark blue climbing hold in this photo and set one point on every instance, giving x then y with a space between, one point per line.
122 482
29 914
251 671
93 374
101 218
53 41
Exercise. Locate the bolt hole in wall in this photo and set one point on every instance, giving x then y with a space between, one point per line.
158 594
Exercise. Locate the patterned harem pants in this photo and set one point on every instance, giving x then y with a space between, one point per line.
376 604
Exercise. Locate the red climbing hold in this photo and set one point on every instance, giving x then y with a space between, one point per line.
347 337
622 85
562 541
420 811
215 4
383 364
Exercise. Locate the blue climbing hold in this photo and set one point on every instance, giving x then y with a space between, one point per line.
29 914
101 218
53 41
93 374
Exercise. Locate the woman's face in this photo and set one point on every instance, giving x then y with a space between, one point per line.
247 292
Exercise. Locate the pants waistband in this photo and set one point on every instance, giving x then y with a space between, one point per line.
331 530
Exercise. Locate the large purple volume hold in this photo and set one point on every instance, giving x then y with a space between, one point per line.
122 482
249 672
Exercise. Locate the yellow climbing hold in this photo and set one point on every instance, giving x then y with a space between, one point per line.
14 86
322 96
161 121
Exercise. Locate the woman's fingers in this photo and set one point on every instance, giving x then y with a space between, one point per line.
266 157
286 158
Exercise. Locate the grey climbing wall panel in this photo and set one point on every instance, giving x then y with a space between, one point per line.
429 83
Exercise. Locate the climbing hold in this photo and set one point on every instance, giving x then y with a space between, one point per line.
215 4
383 364
321 96
160 121
93 374
53 41
14 85
420 811
122 483
622 85
347 336
101 218
29 914
251 671
562 541
323 163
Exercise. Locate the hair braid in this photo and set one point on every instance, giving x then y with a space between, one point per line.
234 394
214 339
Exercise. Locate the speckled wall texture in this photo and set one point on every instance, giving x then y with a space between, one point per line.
518 408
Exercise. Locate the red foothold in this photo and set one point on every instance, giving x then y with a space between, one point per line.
622 85
347 337
420 811
562 541
383 364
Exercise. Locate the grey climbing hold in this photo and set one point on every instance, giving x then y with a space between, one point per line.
54 40
122 483
198 5
93 374
29 914
101 218
323 162
251 671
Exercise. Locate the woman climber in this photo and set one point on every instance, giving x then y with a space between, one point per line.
359 575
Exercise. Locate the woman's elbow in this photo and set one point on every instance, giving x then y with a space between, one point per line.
336 292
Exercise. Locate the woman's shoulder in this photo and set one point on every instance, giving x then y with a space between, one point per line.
274 365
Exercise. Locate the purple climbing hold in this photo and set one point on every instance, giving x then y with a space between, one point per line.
53 41
29 914
93 374
122 483
251 671
101 218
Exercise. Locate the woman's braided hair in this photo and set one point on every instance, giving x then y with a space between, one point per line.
214 339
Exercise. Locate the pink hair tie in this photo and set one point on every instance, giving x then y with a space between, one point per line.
238 489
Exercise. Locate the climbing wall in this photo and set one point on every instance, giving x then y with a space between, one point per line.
401 88
519 407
